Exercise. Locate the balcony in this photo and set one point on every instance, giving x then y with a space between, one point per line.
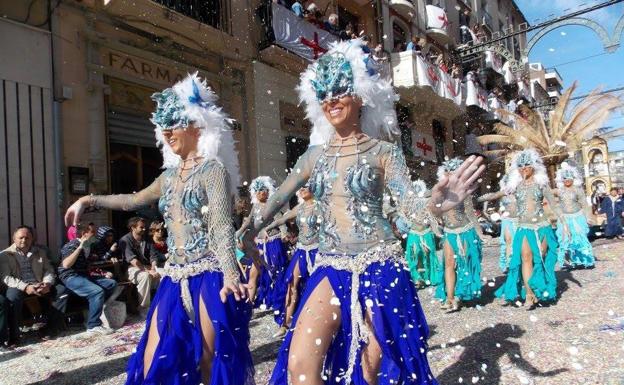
486 20
404 8
437 25
419 81
553 78
209 12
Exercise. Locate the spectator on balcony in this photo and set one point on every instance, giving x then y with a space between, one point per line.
332 26
313 16
379 54
74 274
297 8
414 44
399 47
441 62
26 271
139 252
456 71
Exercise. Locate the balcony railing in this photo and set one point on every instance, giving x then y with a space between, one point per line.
214 13
404 7
437 24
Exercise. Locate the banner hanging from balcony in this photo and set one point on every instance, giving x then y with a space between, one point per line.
423 146
299 36
436 18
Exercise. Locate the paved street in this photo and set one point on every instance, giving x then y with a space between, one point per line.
580 340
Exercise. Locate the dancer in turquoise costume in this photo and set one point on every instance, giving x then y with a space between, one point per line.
420 250
307 218
359 321
269 280
461 250
574 208
531 274
509 220
195 332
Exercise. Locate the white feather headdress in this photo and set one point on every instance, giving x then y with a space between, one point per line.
568 171
378 118
261 183
528 157
192 101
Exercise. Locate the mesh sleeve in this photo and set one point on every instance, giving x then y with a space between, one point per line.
129 202
219 218
399 183
552 203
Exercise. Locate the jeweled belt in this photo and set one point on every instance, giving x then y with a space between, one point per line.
181 274
307 249
357 265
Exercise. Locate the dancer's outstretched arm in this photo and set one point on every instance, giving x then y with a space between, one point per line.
491 196
125 202
282 220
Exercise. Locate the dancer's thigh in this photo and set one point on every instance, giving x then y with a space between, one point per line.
207 331
371 353
449 255
153 338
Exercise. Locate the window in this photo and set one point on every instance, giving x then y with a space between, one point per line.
399 37
345 17
439 136
214 13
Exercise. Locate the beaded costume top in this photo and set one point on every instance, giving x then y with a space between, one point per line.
530 198
197 213
308 224
571 199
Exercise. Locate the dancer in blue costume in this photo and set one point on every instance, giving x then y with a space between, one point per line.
271 292
509 220
613 207
307 219
420 250
574 208
461 249
195 331
531 274
359 320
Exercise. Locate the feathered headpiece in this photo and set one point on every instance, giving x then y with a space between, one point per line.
568 171
192 101
345 70
526 158
449 165
261 183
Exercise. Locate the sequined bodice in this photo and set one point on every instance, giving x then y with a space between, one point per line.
571 200
456 217
529 199
509 206
348 185
308 222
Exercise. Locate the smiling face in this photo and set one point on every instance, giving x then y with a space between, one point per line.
182 141
305 193
526 172
568 182
343 113
262 195
23 239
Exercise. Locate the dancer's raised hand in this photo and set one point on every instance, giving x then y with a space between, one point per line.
451 190
74 212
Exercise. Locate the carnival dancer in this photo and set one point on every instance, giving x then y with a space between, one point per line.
195 331
462 245
302 261
359 300
420 250
271 292
509 220
574 208
531 274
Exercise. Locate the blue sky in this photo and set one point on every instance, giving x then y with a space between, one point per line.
569 48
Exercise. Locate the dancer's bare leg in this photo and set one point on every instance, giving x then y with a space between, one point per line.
316 326
508 245
208 342
527 269
449 271
371 354
152 343
292 296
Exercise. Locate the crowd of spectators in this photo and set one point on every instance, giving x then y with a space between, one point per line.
94 265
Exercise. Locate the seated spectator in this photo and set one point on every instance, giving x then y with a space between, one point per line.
413 45
74 274
158 233
26 271
106 249
332 26
297 8
139 252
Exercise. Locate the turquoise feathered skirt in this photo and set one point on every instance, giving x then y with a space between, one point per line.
466 247
420 253
507 226
576 245
543 281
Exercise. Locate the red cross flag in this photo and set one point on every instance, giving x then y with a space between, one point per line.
436 18
297 35
423 146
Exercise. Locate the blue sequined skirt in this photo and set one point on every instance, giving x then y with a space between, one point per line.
301 257
177 356
271 288
398 321
576 245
